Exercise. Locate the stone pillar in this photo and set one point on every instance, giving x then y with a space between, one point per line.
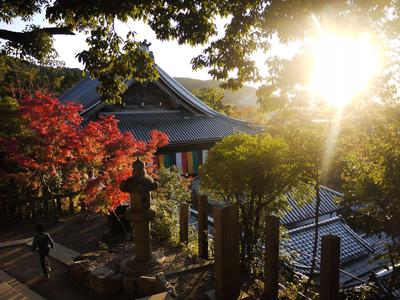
139 214
227 258
202 225
184 223
330 264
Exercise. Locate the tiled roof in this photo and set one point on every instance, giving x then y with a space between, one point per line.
179 127
300 212
183 92
356 251
378 242
85 93
352 247
209 125
297 212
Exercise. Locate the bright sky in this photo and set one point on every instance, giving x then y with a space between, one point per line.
172 57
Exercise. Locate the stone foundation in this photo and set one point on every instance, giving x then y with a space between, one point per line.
105 282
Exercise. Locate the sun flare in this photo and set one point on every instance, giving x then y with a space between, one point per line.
342 67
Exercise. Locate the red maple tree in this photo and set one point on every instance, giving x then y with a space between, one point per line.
65 158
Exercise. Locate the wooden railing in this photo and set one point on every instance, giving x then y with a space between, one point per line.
226 239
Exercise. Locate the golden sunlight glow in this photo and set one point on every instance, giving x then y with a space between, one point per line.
342 67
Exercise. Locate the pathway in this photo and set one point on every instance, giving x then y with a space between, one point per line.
20 271
60 252
10 288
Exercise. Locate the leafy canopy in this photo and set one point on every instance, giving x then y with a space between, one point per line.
254 172
173 190
65 158
251 24
213 97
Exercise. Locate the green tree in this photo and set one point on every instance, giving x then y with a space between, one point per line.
20 78
308 142
251 24
372 186
254 172
11 126
172 191
213 97
285 88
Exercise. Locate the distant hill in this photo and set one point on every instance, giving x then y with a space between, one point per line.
243 97
18 78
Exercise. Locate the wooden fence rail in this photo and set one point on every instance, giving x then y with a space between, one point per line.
227 270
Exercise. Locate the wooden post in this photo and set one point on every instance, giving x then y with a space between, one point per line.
330 263
271 268
184 223
227 258
202 207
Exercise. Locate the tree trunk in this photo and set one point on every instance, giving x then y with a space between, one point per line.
256 229
59 205
242 236
46 205
55 204
71 204
82 204
33 208
315 244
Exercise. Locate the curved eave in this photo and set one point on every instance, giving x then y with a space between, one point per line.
181 91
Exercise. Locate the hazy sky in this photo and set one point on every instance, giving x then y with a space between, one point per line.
173 58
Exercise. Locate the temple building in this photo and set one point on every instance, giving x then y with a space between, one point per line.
164 105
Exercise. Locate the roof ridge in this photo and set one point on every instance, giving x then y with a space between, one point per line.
65 93
356 236
136 112
181 90
324 222
332 190
341 220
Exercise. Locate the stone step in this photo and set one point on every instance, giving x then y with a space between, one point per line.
10 288
161 296
7 292
61 253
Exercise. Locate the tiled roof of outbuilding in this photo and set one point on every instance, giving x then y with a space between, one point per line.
297 212
378 242
355 252
352 246
300 212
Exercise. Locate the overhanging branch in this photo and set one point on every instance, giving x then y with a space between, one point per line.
19 37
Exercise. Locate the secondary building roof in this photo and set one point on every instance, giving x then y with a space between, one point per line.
299 211
355 252
303 211
352 245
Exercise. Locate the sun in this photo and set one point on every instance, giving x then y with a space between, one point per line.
342 66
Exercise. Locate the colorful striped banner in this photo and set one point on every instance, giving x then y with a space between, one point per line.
161 160
187 162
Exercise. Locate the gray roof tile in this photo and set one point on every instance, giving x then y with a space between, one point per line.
306 211
352 246
181 128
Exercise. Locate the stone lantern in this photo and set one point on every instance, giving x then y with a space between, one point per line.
139 186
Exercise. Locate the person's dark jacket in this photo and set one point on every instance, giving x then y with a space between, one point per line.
42 241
